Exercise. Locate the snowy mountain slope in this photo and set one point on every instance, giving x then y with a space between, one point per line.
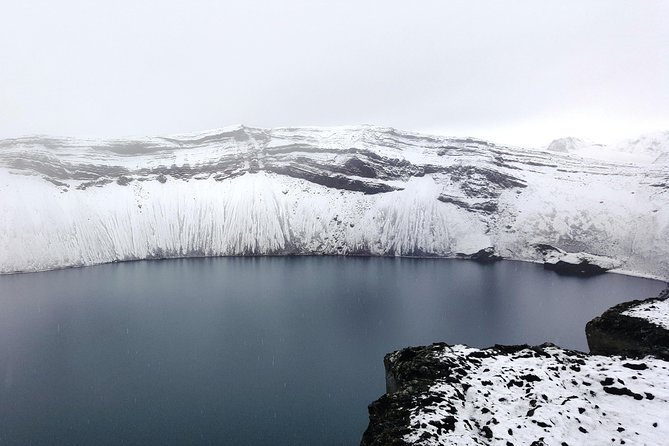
348 190
571 144
651 145
646 149
663 158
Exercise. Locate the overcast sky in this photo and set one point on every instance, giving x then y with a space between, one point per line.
518 72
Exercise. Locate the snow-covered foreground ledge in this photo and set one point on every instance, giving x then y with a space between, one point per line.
545 395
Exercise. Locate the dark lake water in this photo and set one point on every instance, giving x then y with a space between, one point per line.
255 351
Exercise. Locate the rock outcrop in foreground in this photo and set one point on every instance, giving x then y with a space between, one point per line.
545 395
519 395
635 329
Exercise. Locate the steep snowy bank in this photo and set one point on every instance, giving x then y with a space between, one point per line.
358 190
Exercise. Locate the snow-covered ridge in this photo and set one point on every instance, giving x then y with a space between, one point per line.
652 148
348 190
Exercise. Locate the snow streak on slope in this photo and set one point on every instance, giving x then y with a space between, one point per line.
351 190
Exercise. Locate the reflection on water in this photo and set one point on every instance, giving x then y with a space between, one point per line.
258 351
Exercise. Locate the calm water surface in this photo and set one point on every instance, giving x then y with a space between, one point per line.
255 351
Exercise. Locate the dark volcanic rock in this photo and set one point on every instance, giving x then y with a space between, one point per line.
331 180
409 372
486 207
574 263
485 255
582 268
615 333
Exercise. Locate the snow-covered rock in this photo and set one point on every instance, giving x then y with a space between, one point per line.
485 255
636 328
646 149
655 312
575 263
456 395
569 144
347 190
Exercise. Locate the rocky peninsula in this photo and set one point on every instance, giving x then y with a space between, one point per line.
540 395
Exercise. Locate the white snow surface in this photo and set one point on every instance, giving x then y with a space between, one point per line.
646 149
576 258
570 144
346 190
656 312
559 398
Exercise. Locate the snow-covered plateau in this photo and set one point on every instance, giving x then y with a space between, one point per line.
519 395
347 190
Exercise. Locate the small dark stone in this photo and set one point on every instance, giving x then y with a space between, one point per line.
607 382
622 391
641 366
487 431
530 377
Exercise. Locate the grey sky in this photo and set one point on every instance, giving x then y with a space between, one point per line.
521 72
